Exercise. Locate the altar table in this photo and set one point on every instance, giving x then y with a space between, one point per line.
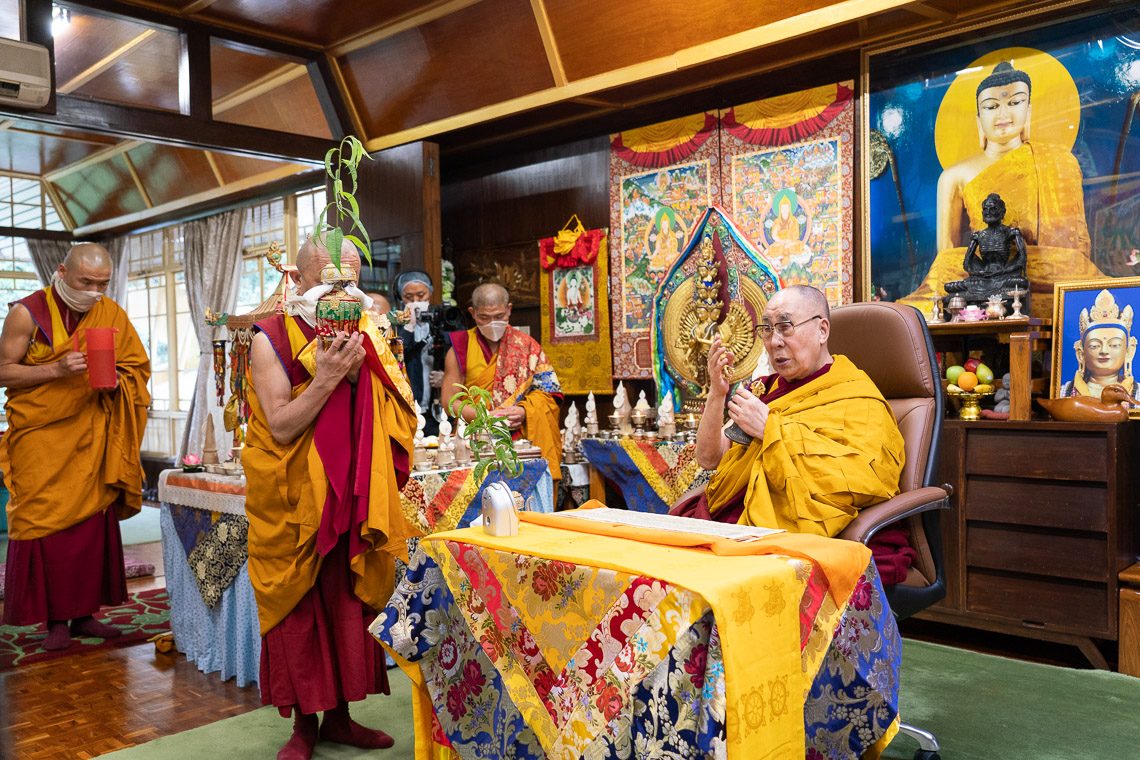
651 476
213 614
563 644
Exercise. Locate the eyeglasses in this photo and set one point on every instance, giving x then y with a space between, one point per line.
785 329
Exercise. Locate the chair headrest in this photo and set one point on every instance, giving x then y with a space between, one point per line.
888 341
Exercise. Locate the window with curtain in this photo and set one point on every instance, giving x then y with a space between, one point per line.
24 203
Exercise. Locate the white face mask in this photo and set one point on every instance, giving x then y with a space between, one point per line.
494 331
78 300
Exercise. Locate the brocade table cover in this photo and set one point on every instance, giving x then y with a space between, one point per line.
526 654
650 475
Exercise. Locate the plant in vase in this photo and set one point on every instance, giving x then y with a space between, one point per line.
489 437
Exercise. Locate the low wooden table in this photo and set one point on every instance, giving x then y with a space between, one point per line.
1129 642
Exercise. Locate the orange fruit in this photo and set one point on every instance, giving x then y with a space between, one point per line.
967 381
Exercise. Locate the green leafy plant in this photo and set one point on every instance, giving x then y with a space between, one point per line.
345 157
488 435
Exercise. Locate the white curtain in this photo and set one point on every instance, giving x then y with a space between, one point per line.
120 264
47 255
212 250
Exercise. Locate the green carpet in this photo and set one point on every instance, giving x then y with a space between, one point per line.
980 708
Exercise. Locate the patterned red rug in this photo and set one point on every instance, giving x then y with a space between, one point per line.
146 614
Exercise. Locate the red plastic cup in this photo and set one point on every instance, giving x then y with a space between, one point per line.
100 357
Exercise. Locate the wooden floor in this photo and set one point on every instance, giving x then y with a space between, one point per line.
85 705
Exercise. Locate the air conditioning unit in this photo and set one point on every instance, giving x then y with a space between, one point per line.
25 74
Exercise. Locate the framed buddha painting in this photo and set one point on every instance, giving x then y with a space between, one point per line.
1094 337
1039 112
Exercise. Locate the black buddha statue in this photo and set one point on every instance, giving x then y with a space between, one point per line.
995 259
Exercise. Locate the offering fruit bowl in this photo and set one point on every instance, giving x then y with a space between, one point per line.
970 409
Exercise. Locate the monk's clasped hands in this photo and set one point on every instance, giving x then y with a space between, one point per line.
749 412
342 358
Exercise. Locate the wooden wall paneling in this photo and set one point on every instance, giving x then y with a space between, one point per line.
399 198
441 68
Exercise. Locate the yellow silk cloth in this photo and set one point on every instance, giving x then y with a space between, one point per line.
287 487
541 425
71 452
831 447
1043 191
764 678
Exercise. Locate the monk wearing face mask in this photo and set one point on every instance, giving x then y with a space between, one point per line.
512 365
70 456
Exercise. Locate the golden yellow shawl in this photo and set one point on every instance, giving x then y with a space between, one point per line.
830 448
1042 187
518 379
71 452
287 486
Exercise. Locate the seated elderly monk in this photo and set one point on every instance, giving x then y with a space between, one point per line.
825 442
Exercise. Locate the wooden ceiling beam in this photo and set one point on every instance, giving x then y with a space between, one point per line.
929 11
61 209
410 20
139 185
104 63
549 44
176 129
213 162
332 93
25 232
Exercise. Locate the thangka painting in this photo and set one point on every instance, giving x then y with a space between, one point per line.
575 317
1043 116
661 178
787 168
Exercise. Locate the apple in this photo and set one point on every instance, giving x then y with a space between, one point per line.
953 372
985 374
972 364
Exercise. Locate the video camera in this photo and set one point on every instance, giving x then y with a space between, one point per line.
443 320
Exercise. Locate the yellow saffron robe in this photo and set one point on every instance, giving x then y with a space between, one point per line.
513 383
287 486
71 452
1043 191
831 447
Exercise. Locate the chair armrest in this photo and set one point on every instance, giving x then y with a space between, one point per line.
872 519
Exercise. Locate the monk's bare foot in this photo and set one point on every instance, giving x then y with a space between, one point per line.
304 739
89 626
339 728
58 636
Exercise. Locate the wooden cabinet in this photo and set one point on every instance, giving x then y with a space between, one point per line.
1043 521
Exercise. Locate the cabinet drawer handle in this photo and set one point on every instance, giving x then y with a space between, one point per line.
1032 624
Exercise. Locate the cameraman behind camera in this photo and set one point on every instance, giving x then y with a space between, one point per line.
415 288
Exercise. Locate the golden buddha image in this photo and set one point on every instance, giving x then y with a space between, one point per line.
1104 350
1007 125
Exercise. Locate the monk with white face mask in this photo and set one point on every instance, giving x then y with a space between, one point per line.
70 456
513 366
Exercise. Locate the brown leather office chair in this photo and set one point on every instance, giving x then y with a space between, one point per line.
891 344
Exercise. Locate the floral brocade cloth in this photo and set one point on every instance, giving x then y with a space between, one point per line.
522 656
651 476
